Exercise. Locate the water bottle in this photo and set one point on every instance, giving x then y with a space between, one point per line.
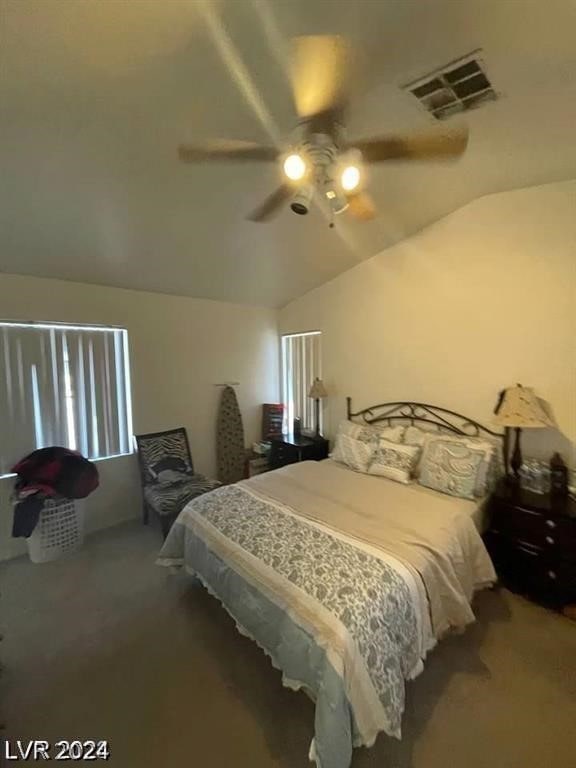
558 477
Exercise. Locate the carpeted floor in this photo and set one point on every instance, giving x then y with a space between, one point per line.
105 645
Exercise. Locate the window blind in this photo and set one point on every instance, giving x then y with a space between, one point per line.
63 385
301 364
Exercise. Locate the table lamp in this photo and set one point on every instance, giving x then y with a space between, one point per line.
519 408
318 392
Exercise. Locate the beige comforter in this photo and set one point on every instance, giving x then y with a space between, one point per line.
431 532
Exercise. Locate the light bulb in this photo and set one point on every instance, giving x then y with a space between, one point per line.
294 167
350 178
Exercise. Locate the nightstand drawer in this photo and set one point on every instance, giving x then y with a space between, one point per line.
289 450
542 530
523 525
560 537
563 531
565 572
531 569
281 455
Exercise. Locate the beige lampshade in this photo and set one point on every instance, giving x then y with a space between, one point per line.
520 408
318 390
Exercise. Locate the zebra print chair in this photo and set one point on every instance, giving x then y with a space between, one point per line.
167 473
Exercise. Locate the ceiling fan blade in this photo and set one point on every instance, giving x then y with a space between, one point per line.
424 146
226 149
361 206
272 205
319 74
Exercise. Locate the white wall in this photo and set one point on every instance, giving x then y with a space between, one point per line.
179 348
481 300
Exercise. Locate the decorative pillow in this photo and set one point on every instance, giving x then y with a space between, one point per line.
396 462
417 435
491 471
370 432
455 465
168 464
392 434
356 454
488 473
172 477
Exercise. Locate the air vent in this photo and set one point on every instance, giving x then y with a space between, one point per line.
458 87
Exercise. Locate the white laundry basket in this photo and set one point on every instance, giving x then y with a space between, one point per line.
60 529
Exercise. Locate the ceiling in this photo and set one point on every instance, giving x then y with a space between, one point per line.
95 96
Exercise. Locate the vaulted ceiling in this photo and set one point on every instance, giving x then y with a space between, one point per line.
95 96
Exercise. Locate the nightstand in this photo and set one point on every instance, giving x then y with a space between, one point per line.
532 542
288 449
256 464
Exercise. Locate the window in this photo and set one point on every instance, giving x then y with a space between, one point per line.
301 364
63 385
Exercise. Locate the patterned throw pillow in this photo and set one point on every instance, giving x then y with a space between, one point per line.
417 435
370 432
160 470
392 434
356 454
172 477
455 465
396 462
492 471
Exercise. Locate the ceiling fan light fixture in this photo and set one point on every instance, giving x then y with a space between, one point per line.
302 199
295 167
336 199
350 178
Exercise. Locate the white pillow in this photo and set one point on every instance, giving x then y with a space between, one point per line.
396 462
370 432
417 435
392 434
356 454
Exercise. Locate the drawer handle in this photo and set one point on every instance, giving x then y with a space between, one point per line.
550 523
549 540
526 551
552 575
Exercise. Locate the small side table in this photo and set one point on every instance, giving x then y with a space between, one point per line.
290 449
532 542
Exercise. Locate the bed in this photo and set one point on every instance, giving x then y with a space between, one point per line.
345 580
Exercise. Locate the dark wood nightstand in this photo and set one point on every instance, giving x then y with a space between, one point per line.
532 542
289 449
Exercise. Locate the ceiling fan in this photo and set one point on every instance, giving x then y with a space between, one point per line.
319 159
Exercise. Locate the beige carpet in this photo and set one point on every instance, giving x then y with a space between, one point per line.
105 645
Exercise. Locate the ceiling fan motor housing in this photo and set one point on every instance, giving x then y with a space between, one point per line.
324 155
320 152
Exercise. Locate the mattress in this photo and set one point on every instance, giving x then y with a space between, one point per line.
418 497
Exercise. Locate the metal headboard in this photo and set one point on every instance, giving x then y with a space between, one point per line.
421 413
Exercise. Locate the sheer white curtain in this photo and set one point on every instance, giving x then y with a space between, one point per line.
301 364
63 385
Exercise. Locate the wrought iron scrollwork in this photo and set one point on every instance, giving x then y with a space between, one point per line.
421 413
